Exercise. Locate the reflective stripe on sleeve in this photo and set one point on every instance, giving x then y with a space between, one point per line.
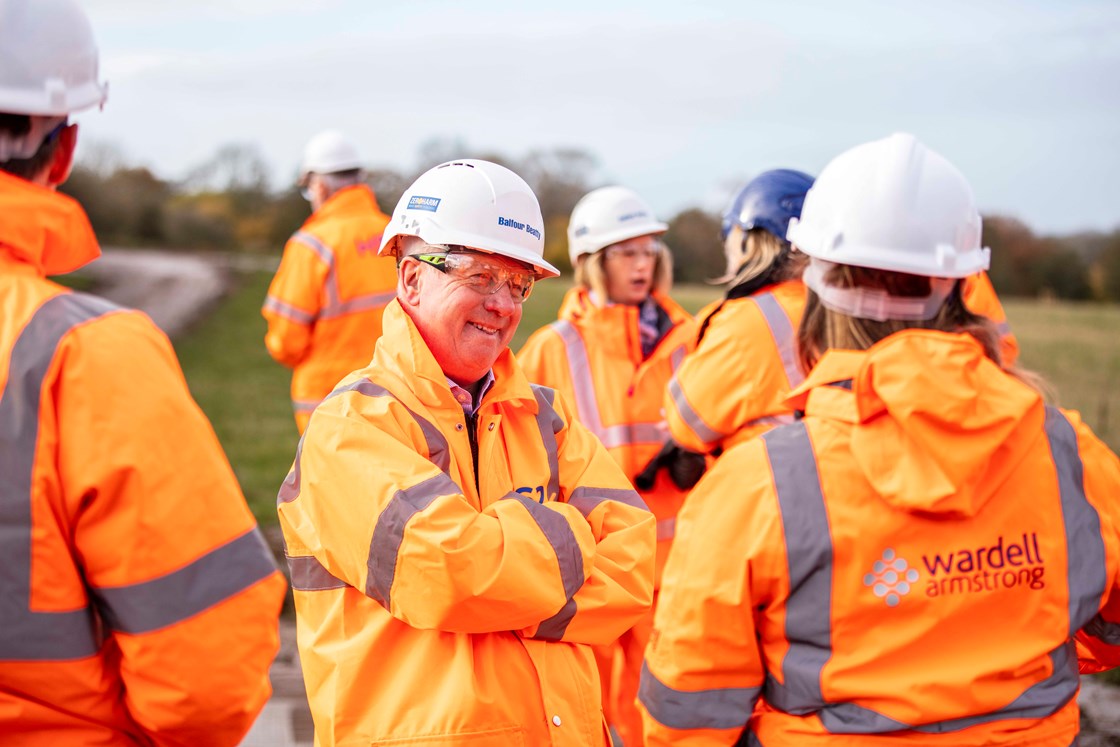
216 576
689 415
1086 567
587 499
28 635
568 556
717 708
286 310
308 574
781 329
549 423
305 406
1003 328
388 534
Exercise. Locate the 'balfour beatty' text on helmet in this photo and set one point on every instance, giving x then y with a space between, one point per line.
328 153
607 216
892 204
472 203
768 202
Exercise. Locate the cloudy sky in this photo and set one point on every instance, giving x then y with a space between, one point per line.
677 100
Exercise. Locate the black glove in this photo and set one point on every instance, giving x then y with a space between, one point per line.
685 467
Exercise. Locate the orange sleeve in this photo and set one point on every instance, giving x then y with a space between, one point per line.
184 582
293 303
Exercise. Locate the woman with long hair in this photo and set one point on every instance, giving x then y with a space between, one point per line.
928 554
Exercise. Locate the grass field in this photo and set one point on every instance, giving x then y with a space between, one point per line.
245 393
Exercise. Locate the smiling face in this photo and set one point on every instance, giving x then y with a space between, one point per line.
630 267
466 330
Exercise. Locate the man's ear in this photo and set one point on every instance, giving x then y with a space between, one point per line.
408 282
63 160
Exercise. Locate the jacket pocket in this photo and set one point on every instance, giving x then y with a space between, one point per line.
510 736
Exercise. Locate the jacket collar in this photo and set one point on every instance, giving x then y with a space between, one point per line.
403 351
43 228
358 198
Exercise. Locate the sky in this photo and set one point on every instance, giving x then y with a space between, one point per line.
680 101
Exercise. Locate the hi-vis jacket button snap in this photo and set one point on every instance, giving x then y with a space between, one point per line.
458 426
490 427
556 720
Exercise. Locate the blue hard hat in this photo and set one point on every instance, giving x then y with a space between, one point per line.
768 201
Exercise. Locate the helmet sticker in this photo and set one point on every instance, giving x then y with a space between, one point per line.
419 202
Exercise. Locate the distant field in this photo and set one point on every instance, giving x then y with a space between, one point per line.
245 393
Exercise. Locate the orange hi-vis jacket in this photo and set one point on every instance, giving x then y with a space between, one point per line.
138 602
441 603
325 304
980 298
593 357
909 564
733 385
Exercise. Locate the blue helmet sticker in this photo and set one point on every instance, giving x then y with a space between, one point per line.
419 202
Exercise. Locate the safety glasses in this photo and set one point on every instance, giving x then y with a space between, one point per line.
480 275
631 251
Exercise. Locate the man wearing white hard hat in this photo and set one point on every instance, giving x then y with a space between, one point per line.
138 601
931 552
457 541
325 304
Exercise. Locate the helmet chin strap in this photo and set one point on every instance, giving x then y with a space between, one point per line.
27 144
875 303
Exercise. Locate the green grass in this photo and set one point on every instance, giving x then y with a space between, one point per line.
245 393
1074 346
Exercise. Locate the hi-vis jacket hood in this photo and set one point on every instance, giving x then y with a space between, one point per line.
44 229
932 418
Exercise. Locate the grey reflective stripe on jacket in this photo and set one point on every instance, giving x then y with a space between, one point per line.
335 306
307 572
134 608
809 555
587 403
782 333
782 330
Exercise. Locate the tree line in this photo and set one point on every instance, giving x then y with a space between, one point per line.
226 203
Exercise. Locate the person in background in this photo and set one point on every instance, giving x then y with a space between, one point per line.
138 601
325 303
828 578
733 383
616 344
458 540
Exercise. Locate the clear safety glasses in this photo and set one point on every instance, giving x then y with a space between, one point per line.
632 252
480 275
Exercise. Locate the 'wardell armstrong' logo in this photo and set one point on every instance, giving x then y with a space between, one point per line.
511 223
1003 565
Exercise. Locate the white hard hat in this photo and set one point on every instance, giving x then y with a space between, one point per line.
327 153
472 203
607 216
48 68
892 204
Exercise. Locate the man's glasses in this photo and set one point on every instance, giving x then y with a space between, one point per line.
480 275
